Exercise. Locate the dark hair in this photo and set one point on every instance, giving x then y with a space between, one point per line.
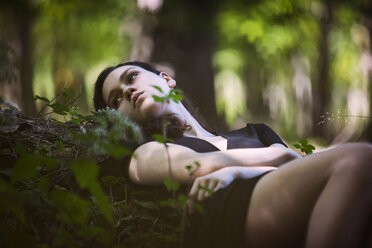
99 102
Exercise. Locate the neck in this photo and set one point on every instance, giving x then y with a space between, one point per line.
196 129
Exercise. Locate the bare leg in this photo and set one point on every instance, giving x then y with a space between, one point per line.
322 200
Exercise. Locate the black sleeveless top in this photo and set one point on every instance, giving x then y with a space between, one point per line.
254 135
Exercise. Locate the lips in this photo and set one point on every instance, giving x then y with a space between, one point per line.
135 98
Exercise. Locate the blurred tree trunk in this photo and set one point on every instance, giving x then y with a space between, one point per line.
23 14
66 75
185 37
26 14
367 16
323 85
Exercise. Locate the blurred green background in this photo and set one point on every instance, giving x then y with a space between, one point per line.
303 67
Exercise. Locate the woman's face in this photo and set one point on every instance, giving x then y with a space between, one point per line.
129 89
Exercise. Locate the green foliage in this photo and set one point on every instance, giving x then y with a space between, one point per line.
305 147
48 201
171 184
174 95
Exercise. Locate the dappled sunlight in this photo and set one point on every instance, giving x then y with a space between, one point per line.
230 95
275 97
303 91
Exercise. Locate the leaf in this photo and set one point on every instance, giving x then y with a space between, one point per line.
169 203
5 151
158 137
41 98
304 142
26 167
188 168
59 145
102 201
110 180
118 151
65 93
171 184
147 204
50 163
158 99
311 147
59 108
182 199
298 146
72 209
199 207
10 201
86 172
158 88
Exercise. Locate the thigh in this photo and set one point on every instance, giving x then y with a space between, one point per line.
282 201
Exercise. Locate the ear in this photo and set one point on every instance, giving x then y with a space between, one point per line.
171 82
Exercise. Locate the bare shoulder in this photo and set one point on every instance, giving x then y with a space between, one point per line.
154 147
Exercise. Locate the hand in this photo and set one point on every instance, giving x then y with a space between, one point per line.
205 186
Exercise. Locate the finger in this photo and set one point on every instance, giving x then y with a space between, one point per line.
212 184
204 184
190 206
194 188
218 186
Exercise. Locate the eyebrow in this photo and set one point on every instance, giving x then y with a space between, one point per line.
122 78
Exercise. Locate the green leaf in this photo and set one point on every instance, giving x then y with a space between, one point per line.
158 88
50 163
59 145
147 204
158 137
158 99
110 180
169 203
171 184
188 168
102 201
118 151
311 147
209 191
10 201
304 142
59 108
26 167
182 199
41 98
72 209
298 146
86 172
65 93
5 152
199 207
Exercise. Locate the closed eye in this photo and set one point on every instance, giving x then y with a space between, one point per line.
116 99
116 102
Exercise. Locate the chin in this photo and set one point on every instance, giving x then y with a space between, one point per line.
150 109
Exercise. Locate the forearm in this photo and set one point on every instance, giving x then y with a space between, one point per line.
268 156
151 164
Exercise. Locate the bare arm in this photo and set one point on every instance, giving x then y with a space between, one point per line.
149 165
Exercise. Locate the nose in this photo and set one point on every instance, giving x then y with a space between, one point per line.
128 92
